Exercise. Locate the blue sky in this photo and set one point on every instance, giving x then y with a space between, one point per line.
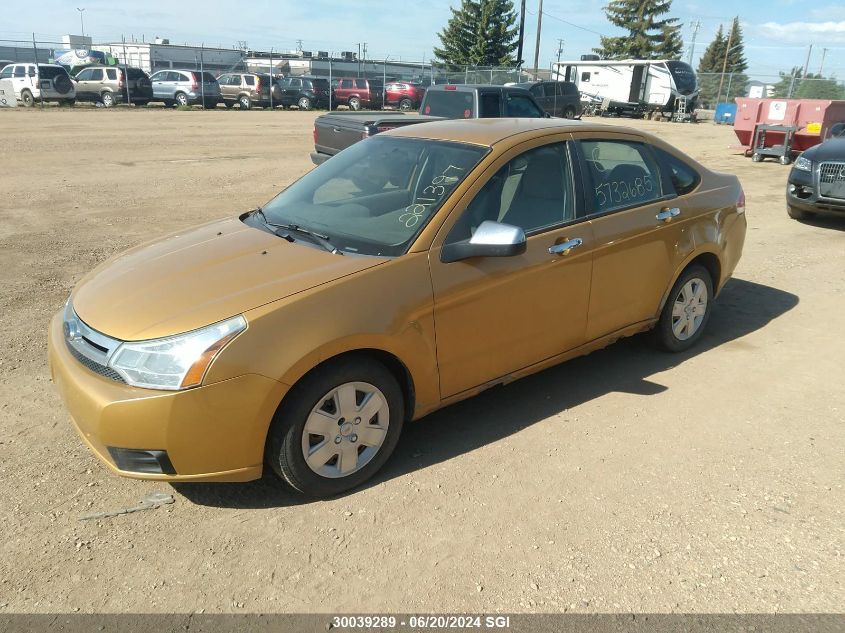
777 32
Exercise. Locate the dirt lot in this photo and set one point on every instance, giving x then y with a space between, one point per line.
629 480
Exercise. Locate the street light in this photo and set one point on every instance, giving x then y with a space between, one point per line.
81 21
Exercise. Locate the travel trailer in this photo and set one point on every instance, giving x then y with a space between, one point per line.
631 86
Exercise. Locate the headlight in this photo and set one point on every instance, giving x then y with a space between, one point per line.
175 362
803 164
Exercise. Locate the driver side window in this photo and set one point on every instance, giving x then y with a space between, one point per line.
534 191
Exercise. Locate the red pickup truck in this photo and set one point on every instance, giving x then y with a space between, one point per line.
358 93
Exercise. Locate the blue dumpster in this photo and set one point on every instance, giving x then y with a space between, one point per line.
725 113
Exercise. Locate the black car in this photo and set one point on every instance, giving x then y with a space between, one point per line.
558 98
305 92
817 180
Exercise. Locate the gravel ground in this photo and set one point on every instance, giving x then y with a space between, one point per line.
628 480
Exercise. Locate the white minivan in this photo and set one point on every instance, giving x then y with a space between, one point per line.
36 81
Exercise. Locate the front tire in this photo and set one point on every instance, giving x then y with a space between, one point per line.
687 310
405 105
569 113
337 427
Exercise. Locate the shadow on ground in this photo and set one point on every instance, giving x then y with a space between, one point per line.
742 308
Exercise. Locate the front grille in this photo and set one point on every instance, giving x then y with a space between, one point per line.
832 180
96 367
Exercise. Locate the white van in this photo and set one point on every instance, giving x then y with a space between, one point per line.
33 82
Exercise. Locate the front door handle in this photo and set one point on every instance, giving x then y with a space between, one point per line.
666 215
564 247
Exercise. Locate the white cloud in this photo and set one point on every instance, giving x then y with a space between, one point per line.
818 33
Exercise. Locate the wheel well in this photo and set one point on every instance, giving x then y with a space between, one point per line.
713 266
393 365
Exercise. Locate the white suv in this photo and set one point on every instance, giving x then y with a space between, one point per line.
35 81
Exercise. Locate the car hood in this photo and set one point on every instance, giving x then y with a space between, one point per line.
192 279
831 149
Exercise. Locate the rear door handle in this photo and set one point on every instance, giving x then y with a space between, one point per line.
564 247
666 215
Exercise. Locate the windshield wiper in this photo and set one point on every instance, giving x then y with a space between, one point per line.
322 240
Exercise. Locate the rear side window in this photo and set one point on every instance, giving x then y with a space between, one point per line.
250 80
111 73
683 177
521 106
361 83
622 174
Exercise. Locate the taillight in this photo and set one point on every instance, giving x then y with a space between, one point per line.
194 84
450 87
258 84
740 202
315 134
120 83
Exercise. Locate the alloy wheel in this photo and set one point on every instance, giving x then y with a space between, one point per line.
345 429
689 309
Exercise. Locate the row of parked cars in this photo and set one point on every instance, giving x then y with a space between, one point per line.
110 85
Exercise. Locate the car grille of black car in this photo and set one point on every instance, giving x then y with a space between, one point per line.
832 180
94 366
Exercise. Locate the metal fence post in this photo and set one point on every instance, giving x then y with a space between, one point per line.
331 91
384 84
126 71
35 52
271 78
202 77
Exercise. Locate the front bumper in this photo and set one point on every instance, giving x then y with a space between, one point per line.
212 433
802 192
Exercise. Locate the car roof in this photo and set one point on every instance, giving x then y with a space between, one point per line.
488 132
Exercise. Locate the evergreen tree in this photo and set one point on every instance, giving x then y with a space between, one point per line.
479 33
649 35
711 64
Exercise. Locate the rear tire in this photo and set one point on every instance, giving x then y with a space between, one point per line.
27 99
181 99
304 103
244 102
569 113
687 310
354 103
107 98
317 420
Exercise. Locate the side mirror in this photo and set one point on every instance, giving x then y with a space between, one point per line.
491 239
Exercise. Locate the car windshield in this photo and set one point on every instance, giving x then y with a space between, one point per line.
452 104
376 196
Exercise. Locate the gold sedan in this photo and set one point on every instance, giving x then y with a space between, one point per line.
410 271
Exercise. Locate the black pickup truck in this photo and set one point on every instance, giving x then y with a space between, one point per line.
336 131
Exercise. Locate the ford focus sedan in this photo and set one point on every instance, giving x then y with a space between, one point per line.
412 270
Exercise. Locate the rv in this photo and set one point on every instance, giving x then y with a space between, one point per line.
631 86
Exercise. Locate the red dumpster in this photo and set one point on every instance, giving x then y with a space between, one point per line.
810 118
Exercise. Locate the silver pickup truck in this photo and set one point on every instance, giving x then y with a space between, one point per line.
335 131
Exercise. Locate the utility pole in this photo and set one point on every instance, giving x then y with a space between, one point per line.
537 47
359 60
521 33
807 63
365 59
299 45
725 64
81 21
695 26
559 49
821 66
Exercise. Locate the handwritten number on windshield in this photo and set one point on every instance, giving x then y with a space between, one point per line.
416 211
